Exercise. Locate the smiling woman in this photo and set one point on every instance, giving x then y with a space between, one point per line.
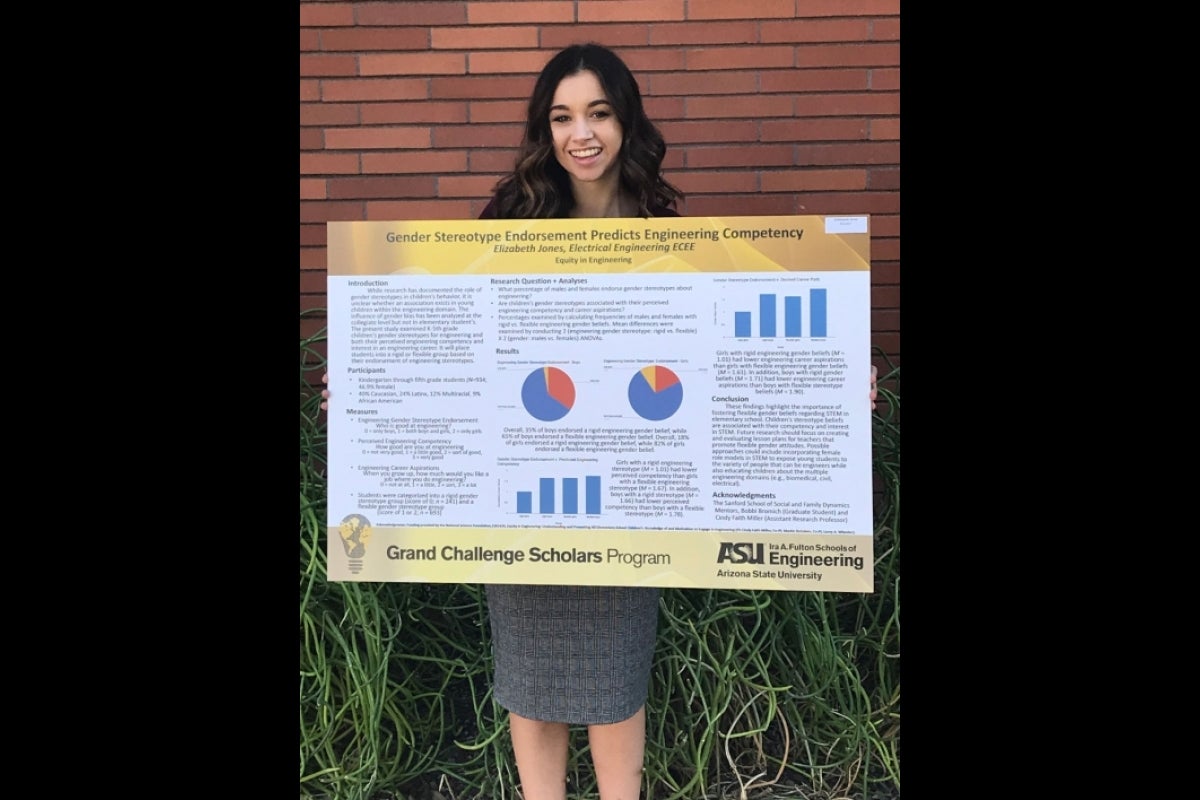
587 143
579 655
588 150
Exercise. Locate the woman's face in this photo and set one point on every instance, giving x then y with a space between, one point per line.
587 135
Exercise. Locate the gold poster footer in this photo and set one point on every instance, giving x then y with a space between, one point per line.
840 562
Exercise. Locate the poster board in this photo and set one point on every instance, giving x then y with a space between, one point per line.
674 402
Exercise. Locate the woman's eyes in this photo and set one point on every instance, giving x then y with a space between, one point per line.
594 115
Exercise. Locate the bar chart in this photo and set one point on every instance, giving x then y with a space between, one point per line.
551 501
793 317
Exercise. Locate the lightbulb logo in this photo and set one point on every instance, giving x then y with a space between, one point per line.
355 531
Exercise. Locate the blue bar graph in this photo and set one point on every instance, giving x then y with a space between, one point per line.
741 324
816 310
592 486
791 317
766 315
570 495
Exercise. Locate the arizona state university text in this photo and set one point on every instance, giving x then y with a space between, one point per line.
534 555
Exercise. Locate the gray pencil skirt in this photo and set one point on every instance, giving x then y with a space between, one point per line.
574 654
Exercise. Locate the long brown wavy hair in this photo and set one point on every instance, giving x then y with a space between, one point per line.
539 187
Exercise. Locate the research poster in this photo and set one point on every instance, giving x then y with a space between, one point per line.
673 402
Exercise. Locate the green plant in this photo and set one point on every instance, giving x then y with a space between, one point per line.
753 693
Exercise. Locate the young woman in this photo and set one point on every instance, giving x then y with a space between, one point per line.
579 655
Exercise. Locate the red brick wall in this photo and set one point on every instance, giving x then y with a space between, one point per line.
412 110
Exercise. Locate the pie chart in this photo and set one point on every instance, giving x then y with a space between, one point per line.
548 393
655 392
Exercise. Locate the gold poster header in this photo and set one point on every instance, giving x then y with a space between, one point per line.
659 244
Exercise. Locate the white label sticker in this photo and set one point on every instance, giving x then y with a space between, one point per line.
845 224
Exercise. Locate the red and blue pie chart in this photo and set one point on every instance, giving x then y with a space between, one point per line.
655 393
548 393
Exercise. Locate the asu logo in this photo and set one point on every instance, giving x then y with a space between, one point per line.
740 553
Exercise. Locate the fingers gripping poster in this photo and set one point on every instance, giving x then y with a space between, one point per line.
674 402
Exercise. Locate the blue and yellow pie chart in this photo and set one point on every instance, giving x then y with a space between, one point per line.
655 393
